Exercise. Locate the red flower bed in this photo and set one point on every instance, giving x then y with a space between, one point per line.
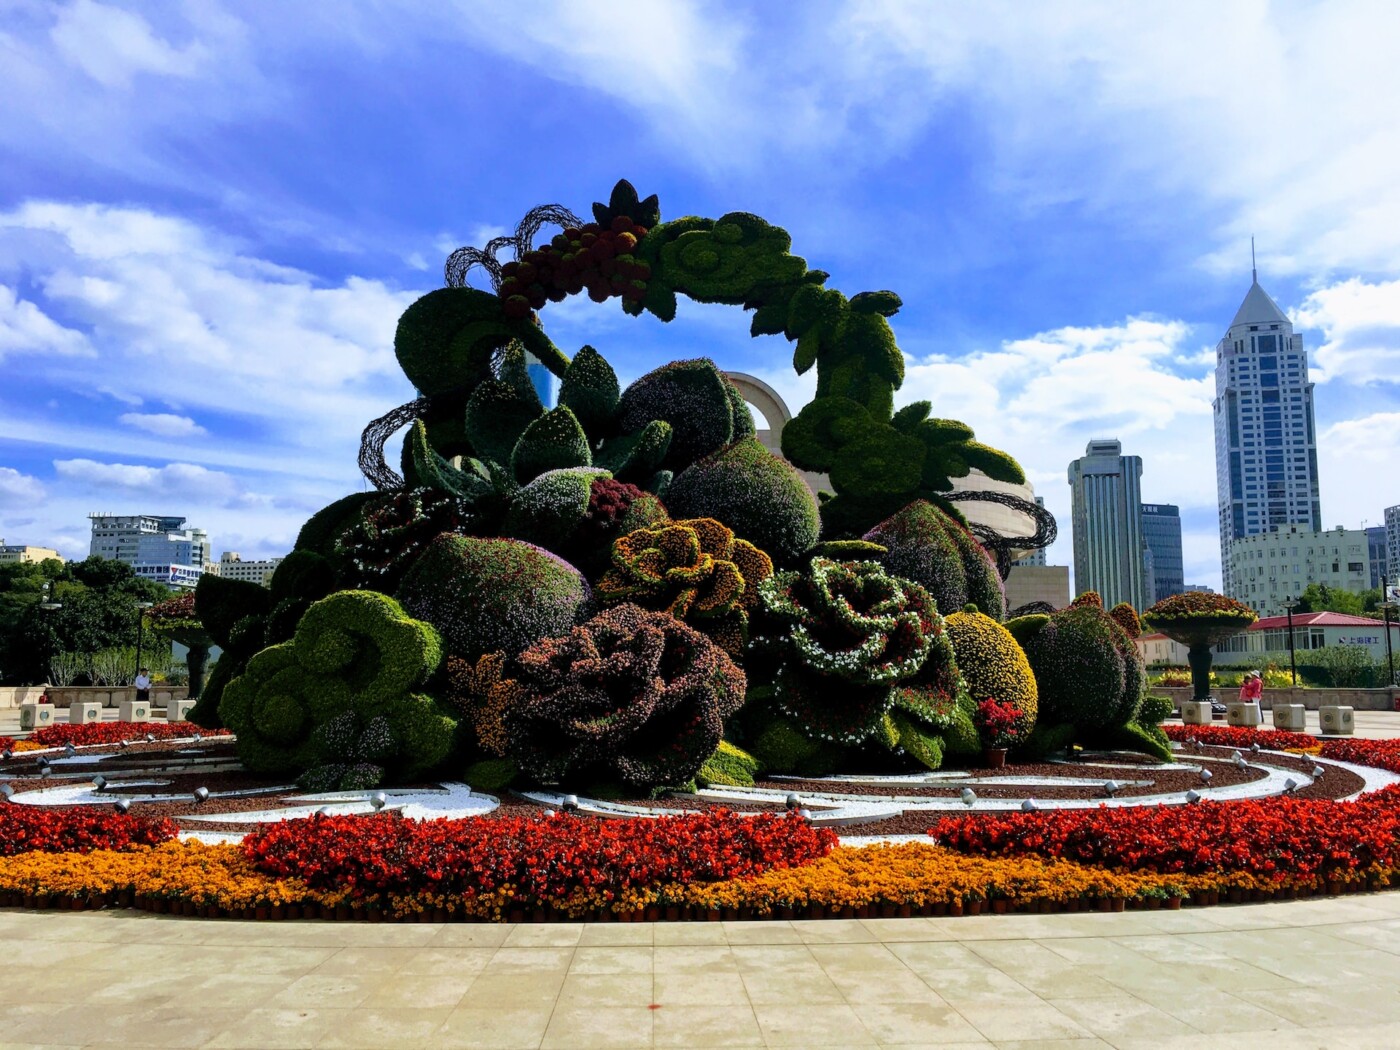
75 829
556 859
1383 754
116 732
1242 736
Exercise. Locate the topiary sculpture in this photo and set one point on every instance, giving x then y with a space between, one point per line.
1126 617
1199 620
847 632
176 619
342 693
754 492
699 404
1089 672
694 569
630 694
931 547
484 595
993 664
392 531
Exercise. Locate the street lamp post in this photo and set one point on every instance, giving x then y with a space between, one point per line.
1289 604
1389 653
141 608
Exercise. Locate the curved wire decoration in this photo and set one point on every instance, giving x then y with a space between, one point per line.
461 262
1031 609
1002 547
372 463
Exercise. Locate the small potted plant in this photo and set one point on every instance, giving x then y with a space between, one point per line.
996 723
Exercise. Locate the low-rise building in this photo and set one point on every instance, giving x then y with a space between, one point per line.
1268 568
1310 631
13 553
232 567
1037 583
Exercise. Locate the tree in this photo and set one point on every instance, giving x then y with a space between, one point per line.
1318 597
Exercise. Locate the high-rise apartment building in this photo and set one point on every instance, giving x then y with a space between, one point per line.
1106 517
1035 557
1375 544
156 546
1265 440
1161 529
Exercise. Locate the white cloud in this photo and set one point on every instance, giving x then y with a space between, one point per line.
1360 324
25 329
112 45
174 480
19 490
163 424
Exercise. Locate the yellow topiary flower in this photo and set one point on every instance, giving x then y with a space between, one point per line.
993 664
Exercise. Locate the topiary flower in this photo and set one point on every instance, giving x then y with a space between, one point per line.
700 406
392 531
630 694
342 690
993 664
1126 617
693 569
847 632
1088 671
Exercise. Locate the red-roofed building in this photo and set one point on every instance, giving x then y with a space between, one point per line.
1269 637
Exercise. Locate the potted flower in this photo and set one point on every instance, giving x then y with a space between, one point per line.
996 723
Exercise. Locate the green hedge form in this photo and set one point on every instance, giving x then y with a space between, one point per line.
356 660
1088 671
484 595
931 547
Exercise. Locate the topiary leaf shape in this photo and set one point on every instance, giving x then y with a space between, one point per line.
435 472
624 202
497 415
553 441
514 370
590 390
634 456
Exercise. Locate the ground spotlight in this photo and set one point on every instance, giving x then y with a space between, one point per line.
1317 772
805 814
1206 774
1029 806
122 805
1290 785
1110 787
124 743
150 738
378 800
1254 747
6 792
969 797
1192 796
793 802
69 750
99 782
1239 761
6 755
569 804
200 796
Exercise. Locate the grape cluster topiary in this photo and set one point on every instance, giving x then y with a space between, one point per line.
928 545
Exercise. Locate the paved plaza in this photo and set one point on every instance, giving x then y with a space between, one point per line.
1304 974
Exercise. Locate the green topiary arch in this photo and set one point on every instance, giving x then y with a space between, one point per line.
879 460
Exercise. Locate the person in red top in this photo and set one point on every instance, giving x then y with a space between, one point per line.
1252 688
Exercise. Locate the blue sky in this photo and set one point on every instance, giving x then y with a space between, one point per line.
212 214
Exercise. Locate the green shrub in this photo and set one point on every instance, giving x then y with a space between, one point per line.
932 548
491 774
1154 710
1126 617
781 747
757 494
1088 671
549 511
324 528
630 694
484 595
693 397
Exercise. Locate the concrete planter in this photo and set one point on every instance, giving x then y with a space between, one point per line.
1196 712
35 716
1337 721
178 710
1241 713
134 711
1312 699
80 713
1291 717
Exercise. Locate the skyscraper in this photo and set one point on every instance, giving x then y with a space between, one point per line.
1035 557
1106 515
1265 441
1375 554
1161 528
1392 545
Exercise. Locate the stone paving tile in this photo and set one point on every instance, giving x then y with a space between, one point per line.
1113 1018
811 1024
614 934
495 1027
1019 1018
584 1027
622 959
700 989
1220 1012
606 989
273 1029
373 1029
903 1023
706 1026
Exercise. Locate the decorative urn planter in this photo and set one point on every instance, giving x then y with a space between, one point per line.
994 757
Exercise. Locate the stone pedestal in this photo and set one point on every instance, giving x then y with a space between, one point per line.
1197 712
1292 717
178 710
1240 713
80 713
35 716
1337 721
134 711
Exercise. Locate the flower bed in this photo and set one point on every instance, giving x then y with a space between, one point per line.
115 732
35 829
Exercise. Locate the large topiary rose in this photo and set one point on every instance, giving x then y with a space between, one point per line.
847 632
356 662
630 694
694 569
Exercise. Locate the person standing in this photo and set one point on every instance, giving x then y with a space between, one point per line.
143 685
1252 688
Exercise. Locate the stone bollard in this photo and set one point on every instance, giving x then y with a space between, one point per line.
1243 713
178 710
1196 712
35 715
1292 717
1337 721
134 711
80 712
